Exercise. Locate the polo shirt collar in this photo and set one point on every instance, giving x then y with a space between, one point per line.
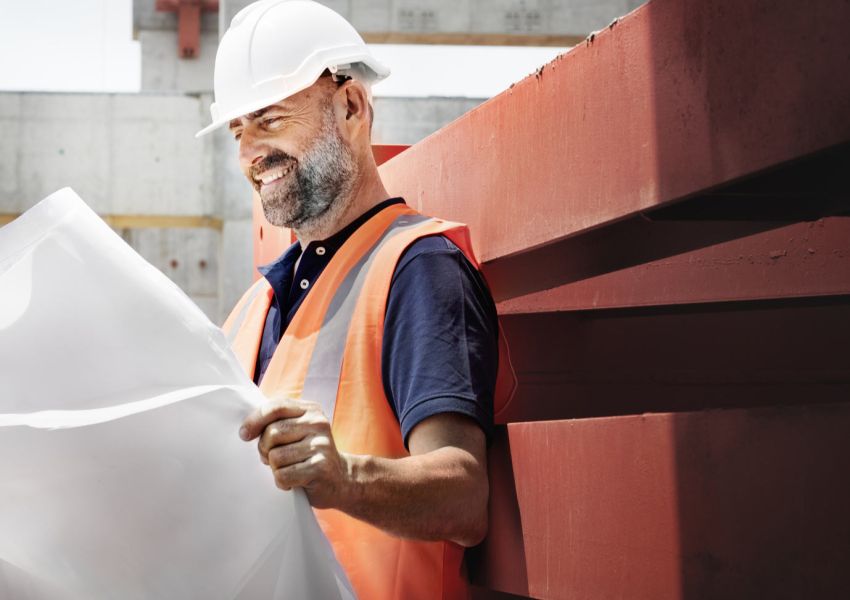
279 272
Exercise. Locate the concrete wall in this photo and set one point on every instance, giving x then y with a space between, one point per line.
191 258
539 17
135 154
124 154
164 71
408 120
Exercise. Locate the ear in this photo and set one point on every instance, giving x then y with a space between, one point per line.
354 107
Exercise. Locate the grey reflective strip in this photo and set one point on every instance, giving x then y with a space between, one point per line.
323 373
240 318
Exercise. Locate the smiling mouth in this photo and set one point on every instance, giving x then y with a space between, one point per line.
272 175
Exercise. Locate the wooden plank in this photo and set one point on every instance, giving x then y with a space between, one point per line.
148 221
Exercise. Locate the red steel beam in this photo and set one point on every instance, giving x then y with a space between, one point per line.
613 268
677 97
718 504
602 363
188 22
384 152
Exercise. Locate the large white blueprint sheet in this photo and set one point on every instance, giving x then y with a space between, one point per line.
121 471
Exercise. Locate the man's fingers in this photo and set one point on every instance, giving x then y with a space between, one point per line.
280 433
257 421
284 456
297 475
288 431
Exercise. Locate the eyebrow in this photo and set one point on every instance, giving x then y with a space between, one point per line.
256 114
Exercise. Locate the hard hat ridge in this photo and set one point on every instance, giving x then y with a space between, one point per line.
273 49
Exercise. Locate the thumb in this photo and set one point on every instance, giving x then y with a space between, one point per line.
254 424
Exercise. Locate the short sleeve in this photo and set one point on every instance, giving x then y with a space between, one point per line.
440 343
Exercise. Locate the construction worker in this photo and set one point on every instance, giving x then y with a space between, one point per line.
374 337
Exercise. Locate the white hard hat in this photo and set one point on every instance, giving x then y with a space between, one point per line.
276 48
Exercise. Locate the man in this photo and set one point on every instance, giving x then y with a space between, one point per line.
374 336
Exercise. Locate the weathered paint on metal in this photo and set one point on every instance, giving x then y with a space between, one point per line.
676 98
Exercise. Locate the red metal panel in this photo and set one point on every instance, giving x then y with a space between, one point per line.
269 241
719 504
677 97
384 152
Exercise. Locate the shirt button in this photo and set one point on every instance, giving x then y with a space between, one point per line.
304 284
320 250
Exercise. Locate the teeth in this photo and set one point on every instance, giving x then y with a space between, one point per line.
270 176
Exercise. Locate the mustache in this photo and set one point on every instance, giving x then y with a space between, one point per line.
270 161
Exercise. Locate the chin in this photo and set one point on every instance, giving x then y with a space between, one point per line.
279 212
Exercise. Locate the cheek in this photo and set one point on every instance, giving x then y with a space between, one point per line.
253 148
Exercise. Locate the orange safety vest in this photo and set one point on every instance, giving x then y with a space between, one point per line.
331 354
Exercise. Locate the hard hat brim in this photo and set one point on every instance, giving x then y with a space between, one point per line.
380 71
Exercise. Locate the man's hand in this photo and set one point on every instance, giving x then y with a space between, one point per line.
438 493
294 439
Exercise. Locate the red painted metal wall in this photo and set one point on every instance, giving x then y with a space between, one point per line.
662 215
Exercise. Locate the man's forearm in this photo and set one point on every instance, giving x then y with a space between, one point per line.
439 495
439 492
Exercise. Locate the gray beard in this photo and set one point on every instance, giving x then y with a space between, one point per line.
319 188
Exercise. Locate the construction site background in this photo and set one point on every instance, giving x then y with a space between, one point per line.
182 203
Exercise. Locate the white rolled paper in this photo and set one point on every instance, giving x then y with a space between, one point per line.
121 471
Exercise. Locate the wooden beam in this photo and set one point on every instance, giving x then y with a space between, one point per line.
148 221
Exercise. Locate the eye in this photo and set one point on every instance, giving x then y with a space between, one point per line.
272 121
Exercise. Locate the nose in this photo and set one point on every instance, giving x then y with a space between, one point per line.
251 150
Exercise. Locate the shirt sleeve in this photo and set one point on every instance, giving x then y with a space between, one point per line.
440 343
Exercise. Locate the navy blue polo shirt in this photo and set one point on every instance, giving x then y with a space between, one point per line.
440 345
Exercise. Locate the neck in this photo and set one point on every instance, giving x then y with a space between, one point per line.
368 191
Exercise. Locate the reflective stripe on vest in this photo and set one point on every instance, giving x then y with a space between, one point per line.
322 380
241 310
244 326
331 354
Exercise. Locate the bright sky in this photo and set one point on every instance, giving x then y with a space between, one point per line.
86 45
68 45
